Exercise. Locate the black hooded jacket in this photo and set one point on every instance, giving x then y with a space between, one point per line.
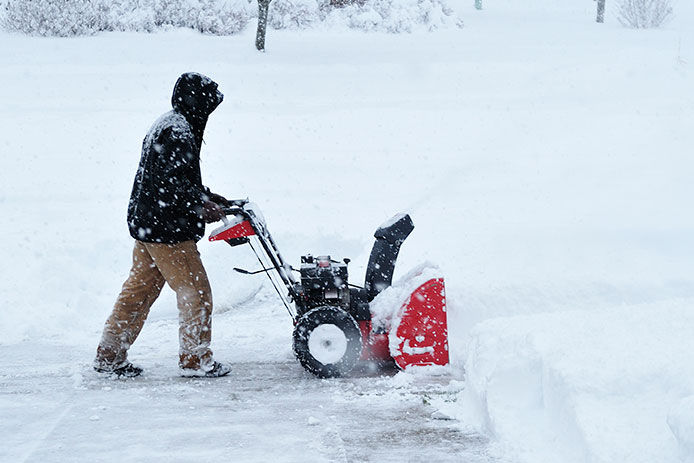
168 195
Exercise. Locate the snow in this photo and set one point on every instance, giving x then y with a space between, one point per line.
596 386
222 17
681 423
228 223
546 164
177 122
263 410
259 217
386 305
392 220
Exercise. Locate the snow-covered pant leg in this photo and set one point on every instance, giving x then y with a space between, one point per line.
139 292
182 269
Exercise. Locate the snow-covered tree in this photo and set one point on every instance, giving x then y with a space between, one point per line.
644 14
53 18
219 17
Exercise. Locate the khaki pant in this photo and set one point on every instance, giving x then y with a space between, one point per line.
180 266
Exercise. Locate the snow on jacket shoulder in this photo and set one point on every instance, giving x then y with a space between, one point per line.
168 194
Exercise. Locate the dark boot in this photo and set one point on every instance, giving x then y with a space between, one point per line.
216 370
126 370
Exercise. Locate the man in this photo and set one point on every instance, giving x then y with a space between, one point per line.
167 213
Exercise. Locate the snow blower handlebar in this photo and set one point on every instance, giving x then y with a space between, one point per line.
247 222
237 203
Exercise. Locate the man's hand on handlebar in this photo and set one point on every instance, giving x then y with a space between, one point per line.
212 212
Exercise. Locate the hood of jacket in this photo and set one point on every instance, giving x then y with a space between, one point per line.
195 96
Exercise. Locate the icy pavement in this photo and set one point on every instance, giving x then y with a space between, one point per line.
55 409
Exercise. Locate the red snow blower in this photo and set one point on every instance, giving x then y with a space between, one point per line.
332 318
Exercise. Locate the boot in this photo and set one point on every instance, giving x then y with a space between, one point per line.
125 370
216 370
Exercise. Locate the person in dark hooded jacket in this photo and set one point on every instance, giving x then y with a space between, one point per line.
167 212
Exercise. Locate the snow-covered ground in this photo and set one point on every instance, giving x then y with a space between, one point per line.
264 411
545 160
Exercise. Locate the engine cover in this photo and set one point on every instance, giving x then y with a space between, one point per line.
323 282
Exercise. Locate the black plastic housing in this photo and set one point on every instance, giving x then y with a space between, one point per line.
359 304
379 272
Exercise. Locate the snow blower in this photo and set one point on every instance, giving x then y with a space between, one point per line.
333 327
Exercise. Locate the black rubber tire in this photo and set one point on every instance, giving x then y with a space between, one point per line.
327 315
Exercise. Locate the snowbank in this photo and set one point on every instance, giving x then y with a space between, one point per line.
681 422
585 387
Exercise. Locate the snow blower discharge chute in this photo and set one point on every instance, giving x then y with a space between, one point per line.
333 327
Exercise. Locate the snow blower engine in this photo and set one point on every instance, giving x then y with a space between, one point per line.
333 327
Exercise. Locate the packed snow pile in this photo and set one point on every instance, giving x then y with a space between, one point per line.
384 308
681 422
220 17
576 388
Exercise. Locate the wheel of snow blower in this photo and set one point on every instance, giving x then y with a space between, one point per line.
327 341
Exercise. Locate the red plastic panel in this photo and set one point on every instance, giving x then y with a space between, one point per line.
378 347
422 335
237 231
365 328
375 345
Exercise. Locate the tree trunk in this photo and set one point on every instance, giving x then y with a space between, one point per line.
601 11
263 6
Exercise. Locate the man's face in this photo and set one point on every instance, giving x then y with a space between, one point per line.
211 96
